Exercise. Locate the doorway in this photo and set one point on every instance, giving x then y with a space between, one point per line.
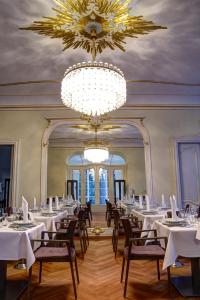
6 171
189 169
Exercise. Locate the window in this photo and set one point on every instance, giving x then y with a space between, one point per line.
96 181
90 185
103 185
76 175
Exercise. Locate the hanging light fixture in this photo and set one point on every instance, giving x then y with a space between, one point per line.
94 25
95 150
93 88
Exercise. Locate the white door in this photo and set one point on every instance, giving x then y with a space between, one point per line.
189 165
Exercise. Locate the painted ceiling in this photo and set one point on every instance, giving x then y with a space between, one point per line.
170 55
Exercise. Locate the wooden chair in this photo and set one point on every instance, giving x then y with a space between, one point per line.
118 229
55 251
134 252
80 232
110 215
89 206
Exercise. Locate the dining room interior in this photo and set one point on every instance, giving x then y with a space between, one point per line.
99 149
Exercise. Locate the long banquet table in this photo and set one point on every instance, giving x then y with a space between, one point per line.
14 245
182 242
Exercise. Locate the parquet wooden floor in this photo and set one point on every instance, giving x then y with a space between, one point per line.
100 277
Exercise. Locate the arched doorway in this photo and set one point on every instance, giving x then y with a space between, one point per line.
136 123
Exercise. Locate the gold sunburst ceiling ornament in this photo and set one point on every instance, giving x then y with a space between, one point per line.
93 25
93 88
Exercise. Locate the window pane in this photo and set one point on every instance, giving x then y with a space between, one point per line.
90 185
76 175
117 174
103 185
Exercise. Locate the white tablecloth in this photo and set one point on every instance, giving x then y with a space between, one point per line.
147 220
181 242
50 221
15 245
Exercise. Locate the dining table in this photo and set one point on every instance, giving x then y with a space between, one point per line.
148 217
15 244
182 241
49 219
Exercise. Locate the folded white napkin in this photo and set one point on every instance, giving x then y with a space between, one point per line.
140 201
163 201
34 203
175 201
147 202
57 202
25 209
173 208
50 204
133 198
198 233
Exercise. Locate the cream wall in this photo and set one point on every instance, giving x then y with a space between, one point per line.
163 126
26 129
57 168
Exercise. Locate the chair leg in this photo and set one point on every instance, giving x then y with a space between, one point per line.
73 279
76 268
29 283
82 251
116 245
87 237
126 277
158 269
40 272
122 273
113 239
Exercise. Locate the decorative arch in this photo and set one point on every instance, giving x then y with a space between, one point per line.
137 122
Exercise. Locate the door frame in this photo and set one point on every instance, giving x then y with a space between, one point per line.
14 171
182 140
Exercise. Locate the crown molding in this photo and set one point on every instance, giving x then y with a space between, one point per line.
50 107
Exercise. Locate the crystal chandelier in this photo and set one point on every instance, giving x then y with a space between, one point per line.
93 88
95 150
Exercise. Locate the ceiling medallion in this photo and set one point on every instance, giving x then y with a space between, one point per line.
93 25
93 88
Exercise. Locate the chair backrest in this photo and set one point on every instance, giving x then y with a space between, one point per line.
70 229
187 208
82 218
110 207
198 212
88 204
116 218
127 229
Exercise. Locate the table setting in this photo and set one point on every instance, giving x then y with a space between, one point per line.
183 233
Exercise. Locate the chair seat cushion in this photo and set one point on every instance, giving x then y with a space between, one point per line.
51 252
145 251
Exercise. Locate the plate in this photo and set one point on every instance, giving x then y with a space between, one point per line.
174 221
149 212
48 214
22 223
